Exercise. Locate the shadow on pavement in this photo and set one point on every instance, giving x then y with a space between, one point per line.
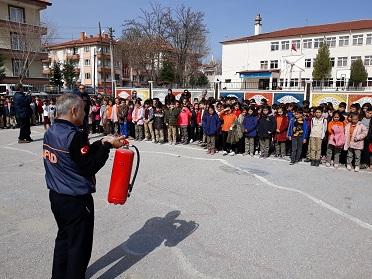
155 231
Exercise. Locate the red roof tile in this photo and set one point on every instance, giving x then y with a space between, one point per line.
87 41
309 30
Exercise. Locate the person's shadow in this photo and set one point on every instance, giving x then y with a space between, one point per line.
154 232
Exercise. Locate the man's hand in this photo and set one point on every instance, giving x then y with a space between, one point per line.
116 142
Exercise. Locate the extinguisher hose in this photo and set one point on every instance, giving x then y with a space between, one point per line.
135 171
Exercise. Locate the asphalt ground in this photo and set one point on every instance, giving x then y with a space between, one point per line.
192 215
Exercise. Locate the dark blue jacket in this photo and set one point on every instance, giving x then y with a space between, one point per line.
22 105
265 126
211 124
62 173
250 125
305 128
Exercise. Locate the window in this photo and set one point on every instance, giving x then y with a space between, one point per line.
18 65
342 62
307 63
274 46
369 39
87 49
355 58
87 62
332 59
274 64
16 14
15 41
264 65
318 42
331 42
296 44
343 41
308 43
87 75
368 61
294 82
285 45
357 40
369 82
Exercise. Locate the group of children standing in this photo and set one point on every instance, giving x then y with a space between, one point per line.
319 135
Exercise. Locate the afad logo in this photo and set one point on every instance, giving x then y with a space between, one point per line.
332 100
364 100
258 98
288 99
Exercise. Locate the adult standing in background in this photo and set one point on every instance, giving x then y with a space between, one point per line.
86 99
23 113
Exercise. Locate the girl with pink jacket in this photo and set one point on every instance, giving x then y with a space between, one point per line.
355 133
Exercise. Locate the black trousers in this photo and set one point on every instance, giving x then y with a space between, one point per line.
297 144
25 128
73 244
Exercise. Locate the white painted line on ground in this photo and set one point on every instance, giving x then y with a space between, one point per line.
273 185
21 150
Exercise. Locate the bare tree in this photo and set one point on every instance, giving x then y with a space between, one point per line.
27 45
161 34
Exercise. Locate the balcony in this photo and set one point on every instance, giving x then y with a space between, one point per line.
73 57
24 27
103 55
104 70
47 71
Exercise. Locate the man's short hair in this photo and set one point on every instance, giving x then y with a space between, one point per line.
66 102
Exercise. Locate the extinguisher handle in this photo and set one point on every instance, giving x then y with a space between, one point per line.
135 171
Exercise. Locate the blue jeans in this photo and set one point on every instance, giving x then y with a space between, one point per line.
124 129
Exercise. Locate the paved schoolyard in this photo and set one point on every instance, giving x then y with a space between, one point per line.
196 216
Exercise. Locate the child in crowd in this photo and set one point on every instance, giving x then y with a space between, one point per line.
109 116
228 118
366 121
171 118
184 122
137 118
103 116
336 139
148 121
265 130
9 111
297 132
46 112
159 124
318 129
211 126
52 111
281 129
355 133
250 130
96 117
122 111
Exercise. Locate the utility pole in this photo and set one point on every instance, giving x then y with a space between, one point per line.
111 34
94 70
102 60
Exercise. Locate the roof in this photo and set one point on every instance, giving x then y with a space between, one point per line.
86 42
308 30
259 71
43 3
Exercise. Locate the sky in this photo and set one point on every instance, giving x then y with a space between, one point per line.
224 19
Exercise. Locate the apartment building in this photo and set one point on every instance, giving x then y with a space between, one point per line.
93 66
21 46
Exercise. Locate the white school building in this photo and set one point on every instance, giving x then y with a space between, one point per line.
284 59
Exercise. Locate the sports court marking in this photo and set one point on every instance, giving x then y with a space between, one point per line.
273 185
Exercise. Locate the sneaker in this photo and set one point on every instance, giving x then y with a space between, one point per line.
232 153
349 167
357 169
213 151
312 163
224 153
209 151
292 163
328 165
191 141
307 160
335 166
363 167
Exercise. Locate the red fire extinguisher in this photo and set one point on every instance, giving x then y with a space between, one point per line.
120 185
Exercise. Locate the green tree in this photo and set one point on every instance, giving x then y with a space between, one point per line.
2 68
358 72
69 73
203 80
56 77
167 73
198 80
322 65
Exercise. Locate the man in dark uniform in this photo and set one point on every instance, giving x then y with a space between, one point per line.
71 164
86 99
23 113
